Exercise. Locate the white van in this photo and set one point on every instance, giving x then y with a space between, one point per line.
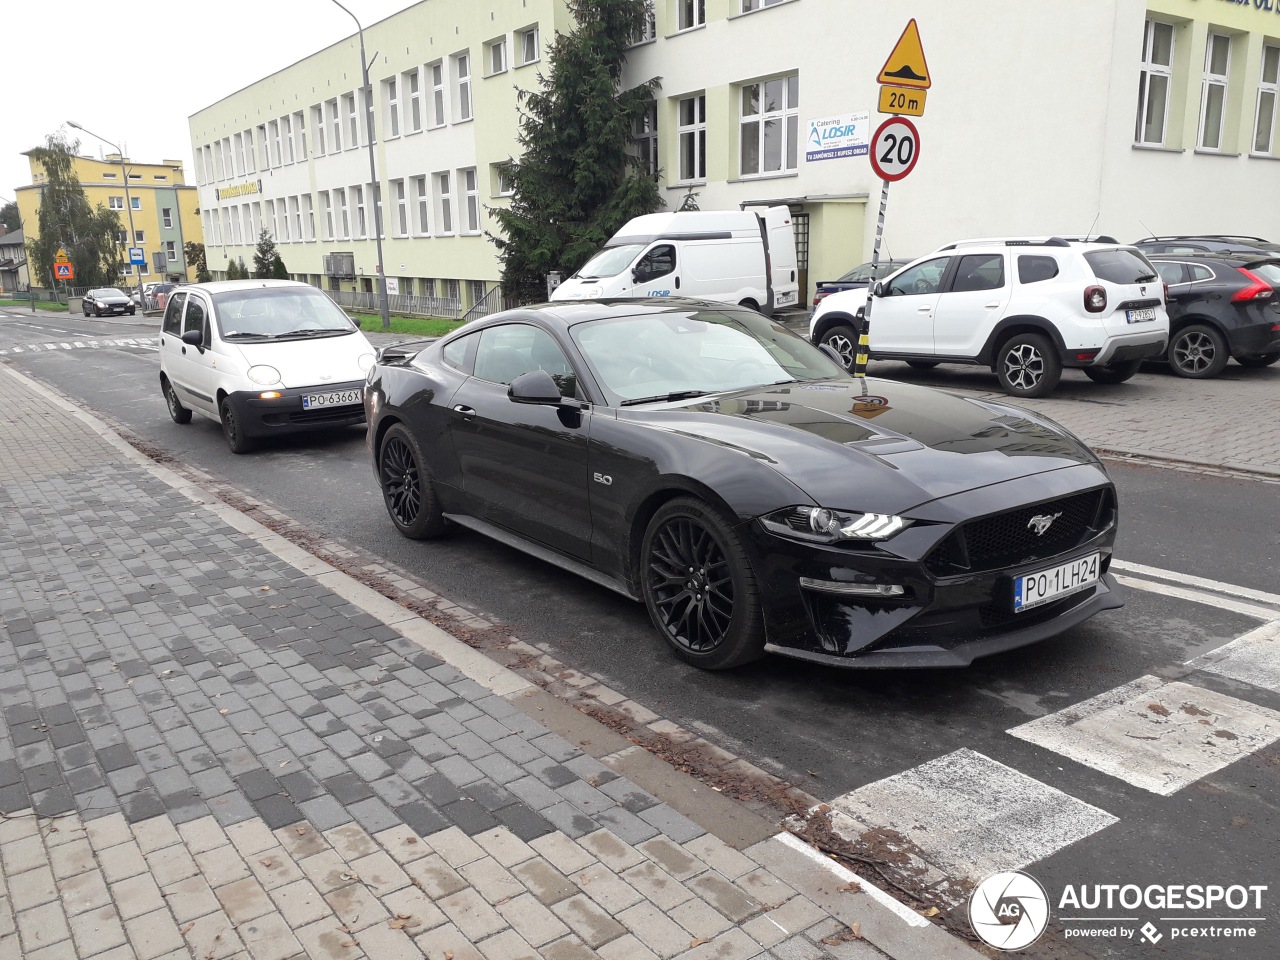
261 357
737 256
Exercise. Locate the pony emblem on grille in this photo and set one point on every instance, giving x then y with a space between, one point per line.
1040 524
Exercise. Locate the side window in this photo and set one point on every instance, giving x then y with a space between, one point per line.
922 278
173 314
983 271
455 352
507 351
1170 272
1032 269
658 262
1199 272
195 318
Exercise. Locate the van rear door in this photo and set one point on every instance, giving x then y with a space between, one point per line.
780 241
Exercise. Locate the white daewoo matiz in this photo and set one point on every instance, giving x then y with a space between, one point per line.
261 357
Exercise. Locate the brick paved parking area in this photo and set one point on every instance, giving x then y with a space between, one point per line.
206 753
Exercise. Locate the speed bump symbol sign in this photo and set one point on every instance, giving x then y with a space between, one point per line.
906 66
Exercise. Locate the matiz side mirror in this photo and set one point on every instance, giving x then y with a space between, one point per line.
193 338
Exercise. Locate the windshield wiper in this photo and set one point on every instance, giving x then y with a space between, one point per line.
234 334
677 395
1148 277
310 332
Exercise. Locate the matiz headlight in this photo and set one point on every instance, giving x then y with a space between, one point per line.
822 525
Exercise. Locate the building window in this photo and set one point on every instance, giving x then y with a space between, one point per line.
503 186
326 207
528 43
692 129
402 208
111 176
644 133
115 203
497 56
770 126
475 289
1154 83
273 128
171 251
353 120
317 124
282 214
428 287
749 5
362 228
1213 94
462 66
139 236
135 203
391 99
166 216
444 204
248 152
300 131
471 191
649 29
335 126
414 85
1268 95
238 140
344 221
122 237
423 198
692 13
295 212
159 176
310 212
453 291
286 130
437 94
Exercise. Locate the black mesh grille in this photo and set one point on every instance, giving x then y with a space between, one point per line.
1009 538
327 414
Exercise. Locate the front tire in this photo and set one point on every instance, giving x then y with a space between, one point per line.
699 588
842 339
177 411
1027 366
233 429
1115 373
1258 360
406 485
1197 352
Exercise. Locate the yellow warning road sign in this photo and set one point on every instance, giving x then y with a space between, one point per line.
906 66
61 256
903 100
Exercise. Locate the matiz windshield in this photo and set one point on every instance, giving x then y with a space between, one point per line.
279 314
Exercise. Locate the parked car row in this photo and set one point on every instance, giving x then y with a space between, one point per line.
1029 307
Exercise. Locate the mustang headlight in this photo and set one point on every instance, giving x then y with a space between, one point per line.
263 374
833 526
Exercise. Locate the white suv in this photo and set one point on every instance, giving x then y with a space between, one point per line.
1026 308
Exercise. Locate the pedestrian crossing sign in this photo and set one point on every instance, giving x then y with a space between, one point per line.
64 271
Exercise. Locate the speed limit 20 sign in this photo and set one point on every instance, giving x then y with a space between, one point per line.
895 147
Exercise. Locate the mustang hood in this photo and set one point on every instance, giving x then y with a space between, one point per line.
314 362
884 449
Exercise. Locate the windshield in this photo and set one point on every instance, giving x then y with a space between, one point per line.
279 312
1269 272
1121 266
695 352
609 262
862 272
106 292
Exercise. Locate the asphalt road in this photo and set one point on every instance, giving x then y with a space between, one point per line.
829 731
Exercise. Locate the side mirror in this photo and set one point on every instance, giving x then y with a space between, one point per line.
193 338
832 353
536 386
877 288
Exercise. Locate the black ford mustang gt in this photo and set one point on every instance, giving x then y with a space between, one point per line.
754 495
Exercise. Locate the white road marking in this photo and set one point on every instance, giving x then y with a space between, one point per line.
912 918
1155 735
971 816
1252 658
1217 586
92 344
1198 596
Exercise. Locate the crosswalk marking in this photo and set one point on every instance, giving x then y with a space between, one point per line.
144 344
1253 658
971 816
1157 735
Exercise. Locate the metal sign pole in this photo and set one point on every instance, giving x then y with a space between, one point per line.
864 334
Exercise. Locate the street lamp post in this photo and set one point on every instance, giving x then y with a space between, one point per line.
373 173
137 269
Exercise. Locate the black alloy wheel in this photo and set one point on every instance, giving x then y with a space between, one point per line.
843 341
1027 366
406 486
699 588
233 429
1115 373
1197 352
1258 360
177 411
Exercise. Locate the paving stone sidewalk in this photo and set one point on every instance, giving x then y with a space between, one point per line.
207 753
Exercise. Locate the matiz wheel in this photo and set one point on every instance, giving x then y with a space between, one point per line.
406 486
233 429
1197 352
699 588
1258 360
844 341
179 413
1028 366
1115 373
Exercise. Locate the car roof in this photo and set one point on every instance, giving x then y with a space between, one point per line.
1098 242
563 314
230 286
1231 257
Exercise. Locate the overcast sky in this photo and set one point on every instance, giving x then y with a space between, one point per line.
133 72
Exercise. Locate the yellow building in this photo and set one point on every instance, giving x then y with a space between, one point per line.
158 211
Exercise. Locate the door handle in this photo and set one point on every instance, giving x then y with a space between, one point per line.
993 304
463 409
677 283
184 351
923 309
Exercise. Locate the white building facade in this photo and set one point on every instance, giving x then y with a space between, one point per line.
1044 116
